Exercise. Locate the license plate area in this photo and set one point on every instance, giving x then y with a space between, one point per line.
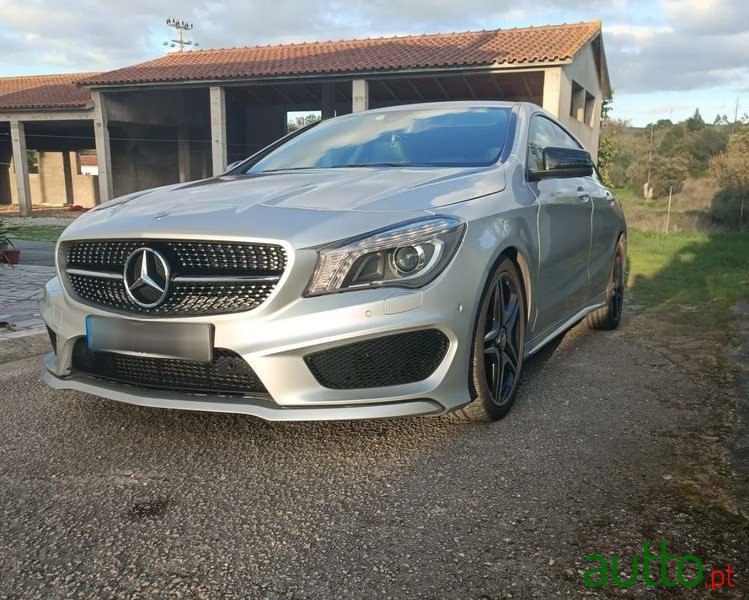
186 341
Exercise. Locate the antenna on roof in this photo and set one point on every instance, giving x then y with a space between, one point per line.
181 26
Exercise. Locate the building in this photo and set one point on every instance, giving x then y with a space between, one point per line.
186 115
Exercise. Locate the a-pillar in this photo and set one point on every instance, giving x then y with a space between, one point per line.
21 165
359 95
218 129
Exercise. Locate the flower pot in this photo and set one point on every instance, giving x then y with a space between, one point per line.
10 256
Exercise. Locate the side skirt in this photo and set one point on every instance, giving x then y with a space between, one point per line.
536 343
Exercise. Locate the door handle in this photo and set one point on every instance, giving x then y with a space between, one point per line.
582 195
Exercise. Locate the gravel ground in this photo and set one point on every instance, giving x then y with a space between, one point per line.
610 443
61 220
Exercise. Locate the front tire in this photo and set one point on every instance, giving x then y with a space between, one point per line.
498 346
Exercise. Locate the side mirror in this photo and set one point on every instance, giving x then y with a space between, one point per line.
563 162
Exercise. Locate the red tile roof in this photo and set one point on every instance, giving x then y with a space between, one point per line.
532 45
44 91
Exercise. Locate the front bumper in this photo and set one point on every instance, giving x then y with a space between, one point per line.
275 342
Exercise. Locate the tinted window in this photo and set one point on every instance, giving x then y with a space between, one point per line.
422 137
543 133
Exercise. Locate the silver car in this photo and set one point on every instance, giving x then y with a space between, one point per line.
401 261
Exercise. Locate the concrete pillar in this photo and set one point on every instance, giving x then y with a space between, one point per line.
21 164
359 95
328 101
183 153
218 129
67 175
552 90
103 148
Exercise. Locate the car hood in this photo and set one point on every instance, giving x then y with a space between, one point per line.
306 207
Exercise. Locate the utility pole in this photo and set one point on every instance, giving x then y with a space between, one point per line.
647 193
736 112
181 26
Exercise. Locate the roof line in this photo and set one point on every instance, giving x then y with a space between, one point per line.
79 75
389 37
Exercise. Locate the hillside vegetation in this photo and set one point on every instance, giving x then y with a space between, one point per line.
704 165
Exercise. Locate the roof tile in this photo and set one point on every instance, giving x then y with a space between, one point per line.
548 44
44 91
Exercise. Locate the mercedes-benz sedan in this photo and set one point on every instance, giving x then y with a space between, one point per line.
401 261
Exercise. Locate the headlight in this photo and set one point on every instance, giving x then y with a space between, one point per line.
408 255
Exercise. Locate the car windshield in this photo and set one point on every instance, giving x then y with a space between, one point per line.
423 137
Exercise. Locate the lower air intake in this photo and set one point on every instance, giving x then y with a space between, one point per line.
388 360
227 374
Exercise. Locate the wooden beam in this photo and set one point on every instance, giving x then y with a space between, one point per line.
468 85
251 94
327 101
497 85
284 96
67 176
312 94
390 91
416 90
528 87
441 87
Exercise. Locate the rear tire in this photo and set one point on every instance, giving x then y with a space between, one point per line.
609 316
497 355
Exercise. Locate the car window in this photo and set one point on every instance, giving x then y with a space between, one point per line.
542 134
424 137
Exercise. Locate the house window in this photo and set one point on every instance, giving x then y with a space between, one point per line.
582 104
590 105
577 102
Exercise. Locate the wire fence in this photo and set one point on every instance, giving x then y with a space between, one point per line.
125 139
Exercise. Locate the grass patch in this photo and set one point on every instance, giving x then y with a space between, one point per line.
706 272
39 233
690 209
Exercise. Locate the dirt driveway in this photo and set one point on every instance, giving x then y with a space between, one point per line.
615 439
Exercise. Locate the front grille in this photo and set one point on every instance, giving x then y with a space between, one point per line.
388 360
207 278
228 373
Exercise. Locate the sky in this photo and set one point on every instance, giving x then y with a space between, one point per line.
666 57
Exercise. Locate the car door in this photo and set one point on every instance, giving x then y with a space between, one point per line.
605 229
564 220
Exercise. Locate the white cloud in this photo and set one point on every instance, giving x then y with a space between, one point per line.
666 45
709 16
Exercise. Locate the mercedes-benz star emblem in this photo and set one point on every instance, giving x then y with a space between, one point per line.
146 277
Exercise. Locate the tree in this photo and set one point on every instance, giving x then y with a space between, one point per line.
730 169
607 146
695 122
668 172
300 122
